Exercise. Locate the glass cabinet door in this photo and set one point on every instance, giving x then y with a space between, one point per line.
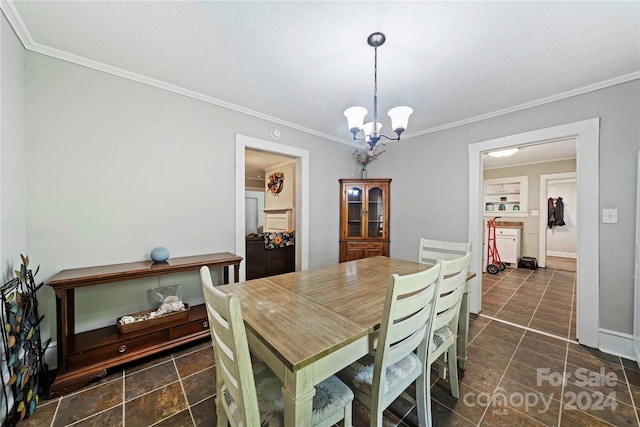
375 212
354 213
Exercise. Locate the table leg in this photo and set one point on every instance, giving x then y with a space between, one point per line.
463 328
298 392
225 274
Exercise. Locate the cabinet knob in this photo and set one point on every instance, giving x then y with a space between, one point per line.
122 349
205 324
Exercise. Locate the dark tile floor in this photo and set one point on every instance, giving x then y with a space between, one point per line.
514 377
542 299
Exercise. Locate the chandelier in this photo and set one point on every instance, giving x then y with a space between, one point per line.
370 132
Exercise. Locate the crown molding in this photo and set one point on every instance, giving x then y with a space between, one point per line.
27 41
16 22
579 91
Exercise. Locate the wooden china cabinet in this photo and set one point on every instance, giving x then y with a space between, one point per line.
364 218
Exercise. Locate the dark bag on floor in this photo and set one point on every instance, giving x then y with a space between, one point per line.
528 262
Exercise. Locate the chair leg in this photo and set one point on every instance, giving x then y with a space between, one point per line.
376 418
221 414
427 398
421 399
442 366
348 413
453 371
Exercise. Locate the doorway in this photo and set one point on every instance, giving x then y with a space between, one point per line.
301 196
586 134
558 244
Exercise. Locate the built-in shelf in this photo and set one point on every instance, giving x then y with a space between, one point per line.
506 196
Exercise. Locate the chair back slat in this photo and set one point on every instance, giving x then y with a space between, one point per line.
433 250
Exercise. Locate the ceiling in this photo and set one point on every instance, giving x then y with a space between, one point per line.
301 64
256 162
531 154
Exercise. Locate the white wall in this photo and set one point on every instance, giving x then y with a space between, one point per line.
13 158
429 191
286 198
561 241
118 168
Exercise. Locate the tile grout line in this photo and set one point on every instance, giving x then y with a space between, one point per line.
537 331
541 298
514 292
633 402
502 377
184 393
55 413
564 382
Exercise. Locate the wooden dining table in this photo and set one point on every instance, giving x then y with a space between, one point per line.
308 325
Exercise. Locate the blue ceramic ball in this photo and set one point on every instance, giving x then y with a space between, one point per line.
160 254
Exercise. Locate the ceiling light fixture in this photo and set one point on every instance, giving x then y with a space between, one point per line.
370 132
504 153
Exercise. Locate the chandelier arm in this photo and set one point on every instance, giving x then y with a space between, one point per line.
397 138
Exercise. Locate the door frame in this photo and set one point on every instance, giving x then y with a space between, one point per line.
543 223
302 196
586 133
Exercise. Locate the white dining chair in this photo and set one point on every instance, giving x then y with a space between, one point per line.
433 250
400 357
444 327
251 395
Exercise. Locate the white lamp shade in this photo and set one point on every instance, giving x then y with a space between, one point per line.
355 117
368 128
400 117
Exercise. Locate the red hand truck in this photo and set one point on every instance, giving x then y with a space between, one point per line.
494 263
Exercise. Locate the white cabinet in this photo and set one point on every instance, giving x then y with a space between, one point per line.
508 242
506 196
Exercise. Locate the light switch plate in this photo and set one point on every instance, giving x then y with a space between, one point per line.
609 216
535 212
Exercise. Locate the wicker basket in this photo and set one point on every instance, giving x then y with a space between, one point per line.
143 324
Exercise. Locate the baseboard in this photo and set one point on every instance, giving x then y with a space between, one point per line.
617 343
562 254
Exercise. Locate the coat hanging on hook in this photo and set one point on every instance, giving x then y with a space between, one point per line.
555 212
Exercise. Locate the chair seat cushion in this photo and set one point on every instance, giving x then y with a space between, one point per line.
332 395
360 374
439 337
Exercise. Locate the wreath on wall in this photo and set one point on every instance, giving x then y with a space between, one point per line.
276 182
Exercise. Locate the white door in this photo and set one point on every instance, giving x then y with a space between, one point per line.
636 308
250 215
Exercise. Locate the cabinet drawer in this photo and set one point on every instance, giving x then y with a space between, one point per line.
120 348
200 325
365 245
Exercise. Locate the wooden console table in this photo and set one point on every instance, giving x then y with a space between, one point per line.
87 355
